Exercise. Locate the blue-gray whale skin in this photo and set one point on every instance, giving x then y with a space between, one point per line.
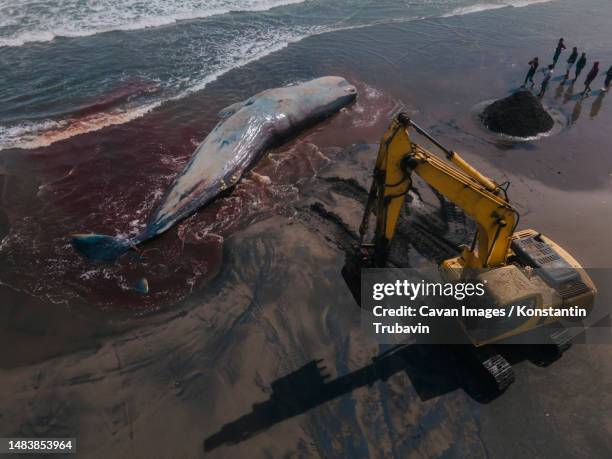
246 131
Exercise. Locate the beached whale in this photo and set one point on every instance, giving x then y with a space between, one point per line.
246 131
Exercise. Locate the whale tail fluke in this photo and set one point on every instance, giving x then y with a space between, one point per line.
98 247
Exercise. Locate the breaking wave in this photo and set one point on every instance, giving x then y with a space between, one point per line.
46 20
31 135
42 134
29 21
492 6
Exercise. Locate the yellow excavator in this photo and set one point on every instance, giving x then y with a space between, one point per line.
518 267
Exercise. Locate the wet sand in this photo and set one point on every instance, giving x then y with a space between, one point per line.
231 370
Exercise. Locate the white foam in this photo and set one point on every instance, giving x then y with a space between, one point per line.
31 21
473 9
42 134
461 11
244 50
28 21
243 55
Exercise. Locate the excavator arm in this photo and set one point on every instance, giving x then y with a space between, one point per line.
478 196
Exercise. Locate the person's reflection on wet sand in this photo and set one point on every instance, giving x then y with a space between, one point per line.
596 107
576 112
559 90
569 93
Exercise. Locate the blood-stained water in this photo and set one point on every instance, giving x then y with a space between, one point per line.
110 180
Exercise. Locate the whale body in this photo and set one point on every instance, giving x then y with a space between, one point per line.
246 131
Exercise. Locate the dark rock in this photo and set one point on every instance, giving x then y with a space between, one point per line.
519 115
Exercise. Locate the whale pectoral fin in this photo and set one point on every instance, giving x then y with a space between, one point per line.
231 109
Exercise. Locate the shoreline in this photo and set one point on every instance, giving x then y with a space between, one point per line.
48 131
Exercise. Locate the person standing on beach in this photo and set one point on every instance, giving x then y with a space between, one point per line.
548 72
533 66
571 61
589 79
608 80
560 48
580 65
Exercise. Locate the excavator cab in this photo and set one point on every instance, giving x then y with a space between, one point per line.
518 267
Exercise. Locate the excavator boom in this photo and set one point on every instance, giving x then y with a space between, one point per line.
478 196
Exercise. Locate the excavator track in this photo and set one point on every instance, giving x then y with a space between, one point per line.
500 371
495 368
561 339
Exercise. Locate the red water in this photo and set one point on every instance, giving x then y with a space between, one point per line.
110 181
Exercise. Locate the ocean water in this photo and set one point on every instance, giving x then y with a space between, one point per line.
77 66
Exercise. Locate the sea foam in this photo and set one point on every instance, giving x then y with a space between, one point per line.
47 20
29 21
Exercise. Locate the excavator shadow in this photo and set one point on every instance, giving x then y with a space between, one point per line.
433 370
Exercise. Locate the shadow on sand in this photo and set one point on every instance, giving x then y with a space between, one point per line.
434 370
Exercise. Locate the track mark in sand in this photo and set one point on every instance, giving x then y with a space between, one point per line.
433 231
128 419
119 366
5 223
50 416
329 225
84 379
180 371
348 187
267 259
254 270
137 365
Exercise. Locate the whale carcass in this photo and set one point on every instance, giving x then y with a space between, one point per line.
246 131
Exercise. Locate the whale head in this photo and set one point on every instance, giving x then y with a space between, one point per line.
305 103
326 95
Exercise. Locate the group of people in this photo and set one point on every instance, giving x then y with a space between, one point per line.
580 64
